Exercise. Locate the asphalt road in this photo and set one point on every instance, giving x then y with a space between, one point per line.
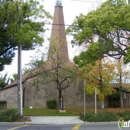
108 126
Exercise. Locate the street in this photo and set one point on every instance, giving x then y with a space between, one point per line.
88 126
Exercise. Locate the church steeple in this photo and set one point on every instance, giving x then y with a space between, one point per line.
58 3
58 36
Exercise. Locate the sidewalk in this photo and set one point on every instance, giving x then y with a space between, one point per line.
59 120
54 120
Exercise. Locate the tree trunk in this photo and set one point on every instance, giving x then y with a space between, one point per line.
121 98
102 105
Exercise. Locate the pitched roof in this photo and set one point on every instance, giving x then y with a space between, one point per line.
14 83
117 86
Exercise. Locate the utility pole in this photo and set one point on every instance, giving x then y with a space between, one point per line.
19 86
95 101
20 89
84 97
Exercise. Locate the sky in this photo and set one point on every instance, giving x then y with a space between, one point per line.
71 9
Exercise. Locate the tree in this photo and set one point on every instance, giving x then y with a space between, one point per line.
122 77
108 26
100 76
4 80
20 24
15 77
55 70
92 54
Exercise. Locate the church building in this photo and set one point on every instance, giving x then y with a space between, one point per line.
73 95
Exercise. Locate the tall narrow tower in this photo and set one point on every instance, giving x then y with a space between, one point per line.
58 36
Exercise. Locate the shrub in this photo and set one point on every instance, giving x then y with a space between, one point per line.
115 99
9 116
101 117
125 115
51 104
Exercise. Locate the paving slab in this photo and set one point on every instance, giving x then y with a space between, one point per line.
55 120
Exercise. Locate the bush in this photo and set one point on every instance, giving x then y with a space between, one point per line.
9 116
100 117
115 99
125 115
51 104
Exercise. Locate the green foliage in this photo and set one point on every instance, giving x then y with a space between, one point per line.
125 115
115 96
100 117
115 113
15 77
4 80
90 56
114 99
127 56
100 75
9 116
108 25
51 104
20 24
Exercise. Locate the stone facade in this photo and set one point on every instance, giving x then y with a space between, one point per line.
9 95
73 96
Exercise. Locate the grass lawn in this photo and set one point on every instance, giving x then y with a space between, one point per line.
69 112
46 112
107 114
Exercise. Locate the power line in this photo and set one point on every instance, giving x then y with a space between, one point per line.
58 24
86 1
56 29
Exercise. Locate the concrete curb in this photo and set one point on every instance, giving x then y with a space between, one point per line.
32 123
19 123
72 123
